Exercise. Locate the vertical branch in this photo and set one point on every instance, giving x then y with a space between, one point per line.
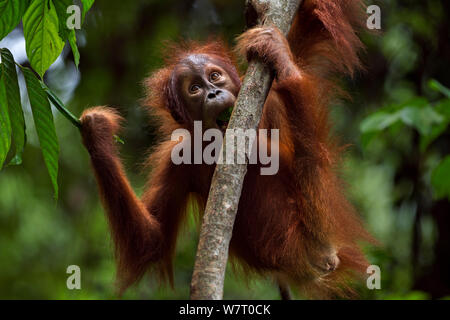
226 186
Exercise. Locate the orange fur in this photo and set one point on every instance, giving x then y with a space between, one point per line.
284 222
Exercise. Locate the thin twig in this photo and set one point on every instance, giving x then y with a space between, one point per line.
60 106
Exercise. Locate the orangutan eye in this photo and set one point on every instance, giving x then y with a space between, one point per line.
194 88
214 76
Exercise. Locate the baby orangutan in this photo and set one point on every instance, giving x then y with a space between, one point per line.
296 225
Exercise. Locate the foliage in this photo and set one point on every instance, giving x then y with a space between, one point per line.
391 174
10 14
429 119
10 96
43 119
45 30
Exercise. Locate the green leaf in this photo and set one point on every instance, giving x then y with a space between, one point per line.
45 127
61 10
416 113
64 32
366 138
423 119
5 124
87 4
11 11
40 27
73 45
388 116
375 123
440 179
436 131
117 139
14 105
443 107
436 86
378 121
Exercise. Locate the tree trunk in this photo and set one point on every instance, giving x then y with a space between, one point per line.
226 186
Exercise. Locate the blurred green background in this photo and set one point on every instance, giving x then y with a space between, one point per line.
387 168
